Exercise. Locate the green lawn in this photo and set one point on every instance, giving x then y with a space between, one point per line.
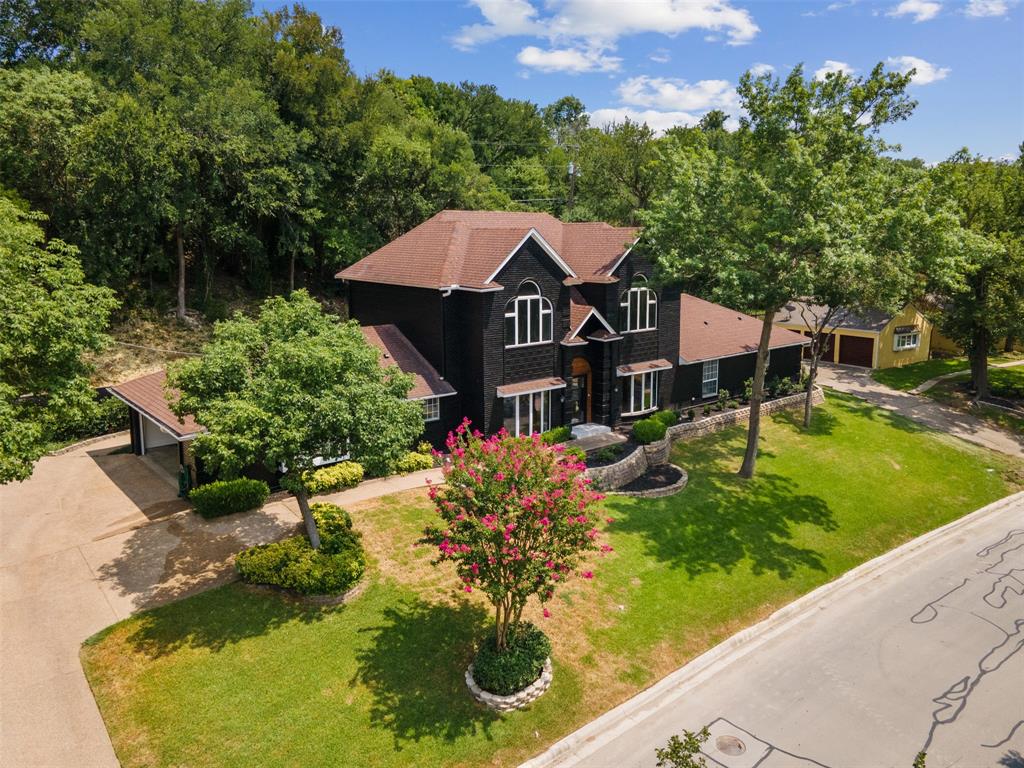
234 677
952 393
910 376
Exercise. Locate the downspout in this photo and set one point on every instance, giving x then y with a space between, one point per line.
445 293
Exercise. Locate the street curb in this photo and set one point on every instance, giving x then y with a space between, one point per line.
578 745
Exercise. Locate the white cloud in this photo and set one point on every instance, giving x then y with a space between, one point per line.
757 70
921 10
926 71
831 65
660 56
599 24
570 60
658 120
980 8
677 96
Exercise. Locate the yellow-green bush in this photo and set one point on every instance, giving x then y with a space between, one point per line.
414 462
336 477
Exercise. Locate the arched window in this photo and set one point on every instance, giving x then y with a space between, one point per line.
527 317
638 308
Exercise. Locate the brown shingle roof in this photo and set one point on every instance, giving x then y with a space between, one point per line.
396 349
534 385
465 248
708 331
869 320
146 394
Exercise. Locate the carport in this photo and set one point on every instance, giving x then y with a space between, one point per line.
156 432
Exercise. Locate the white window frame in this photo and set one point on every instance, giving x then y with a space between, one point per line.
905 341
519 311
709 375
526 401
633 388
431 408
647 307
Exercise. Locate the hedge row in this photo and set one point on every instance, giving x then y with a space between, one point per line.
226 497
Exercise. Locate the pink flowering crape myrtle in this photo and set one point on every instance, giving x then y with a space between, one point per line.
517 519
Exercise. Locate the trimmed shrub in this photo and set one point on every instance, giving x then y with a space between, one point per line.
226 497
518 666
294 564
691 414
707 410
344 474
424 447
562 434
732 404
414 462
648 431
667 417
748 390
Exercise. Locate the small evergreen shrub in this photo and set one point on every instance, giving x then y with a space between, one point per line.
732 404
414 462
667 417
707 410
691 414
226 497
344 474
518 666
748 390
294 564
609 454
647 431
424 447
562 434
723 398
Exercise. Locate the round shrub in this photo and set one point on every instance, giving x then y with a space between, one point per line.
667 417
518 666
648 431
414 462
226 497
294 564
336 477
562 434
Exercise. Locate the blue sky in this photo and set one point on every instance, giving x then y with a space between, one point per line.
668 61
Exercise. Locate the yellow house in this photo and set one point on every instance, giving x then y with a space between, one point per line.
869 339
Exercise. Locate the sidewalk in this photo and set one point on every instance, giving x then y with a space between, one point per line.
924 386
858 381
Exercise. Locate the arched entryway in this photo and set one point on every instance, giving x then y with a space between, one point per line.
583 390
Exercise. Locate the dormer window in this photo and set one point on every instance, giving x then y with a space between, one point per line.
528 317
638 308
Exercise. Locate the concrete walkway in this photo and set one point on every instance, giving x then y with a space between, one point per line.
858 381
92 537
921 649
924 386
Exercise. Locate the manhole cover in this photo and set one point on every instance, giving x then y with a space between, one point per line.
730 745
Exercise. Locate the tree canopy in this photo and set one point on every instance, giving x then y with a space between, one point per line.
290 387
50 317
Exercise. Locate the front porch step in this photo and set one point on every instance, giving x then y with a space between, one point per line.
588 430
598 441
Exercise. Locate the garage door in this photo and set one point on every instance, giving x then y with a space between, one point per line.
856 350
828 348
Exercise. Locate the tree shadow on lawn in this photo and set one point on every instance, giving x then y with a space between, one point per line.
414 664
823 423
720 520
215 619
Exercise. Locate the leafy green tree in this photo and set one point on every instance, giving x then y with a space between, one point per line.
683 752
988 305
620 171
50 317
291 385
41 30
750 224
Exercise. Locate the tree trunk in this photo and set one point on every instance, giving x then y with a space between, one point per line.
291 274
307 517
1008 344
979 363
757 396
179 236
812 375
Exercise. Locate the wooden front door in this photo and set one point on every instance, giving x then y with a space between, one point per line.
582 386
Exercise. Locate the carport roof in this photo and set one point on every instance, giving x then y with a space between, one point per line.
146 394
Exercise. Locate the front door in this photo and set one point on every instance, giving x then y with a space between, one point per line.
581 384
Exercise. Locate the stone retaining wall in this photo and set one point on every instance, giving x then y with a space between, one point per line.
616 475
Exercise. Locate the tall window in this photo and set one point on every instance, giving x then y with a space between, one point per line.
639 393
709 379
526 414
638 308
431 408
527 317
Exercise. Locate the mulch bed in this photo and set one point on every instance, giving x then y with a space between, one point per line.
657 477
627 448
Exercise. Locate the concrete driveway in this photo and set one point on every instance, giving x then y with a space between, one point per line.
858 381
90 538
920 650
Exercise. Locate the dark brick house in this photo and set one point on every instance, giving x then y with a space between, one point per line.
536 323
